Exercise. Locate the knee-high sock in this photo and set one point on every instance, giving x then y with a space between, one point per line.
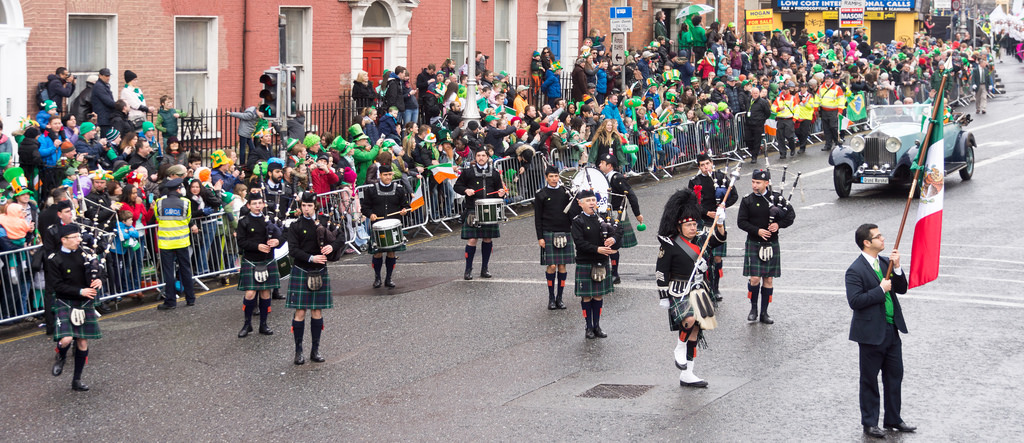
586 313
249 306
389 263
752 293
316 326
485 254
766 297
691 350
595 310
81 358
376 262
470 252
298 329
717 276
64 351
264 310
615 263
550 277
561 283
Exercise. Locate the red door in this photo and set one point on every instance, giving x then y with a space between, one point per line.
373 58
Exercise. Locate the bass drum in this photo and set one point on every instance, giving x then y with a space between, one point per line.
592 179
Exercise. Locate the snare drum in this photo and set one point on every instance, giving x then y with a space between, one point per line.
490 211
387 234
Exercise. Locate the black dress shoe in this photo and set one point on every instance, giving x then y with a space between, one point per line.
245 330
803 150
902 427
165 307
485 274
552 306
753 160
559 304
718 296
752 316
276 296
315 356
389 283
699 384
190 303
590 333
873 431
469 275
377 283
58 365
103 309
767 319
265 330
782 156
77 385
299 359
599 333
825 149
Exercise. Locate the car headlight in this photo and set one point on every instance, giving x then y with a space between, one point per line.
857 144
893 144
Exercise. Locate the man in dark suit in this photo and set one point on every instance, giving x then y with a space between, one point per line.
877 322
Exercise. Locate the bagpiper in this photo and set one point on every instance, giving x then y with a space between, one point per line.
595 240
311 245
709 187
762 213
257 237
621 192
480 180
387 199
553 213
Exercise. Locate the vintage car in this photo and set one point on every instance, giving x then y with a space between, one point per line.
884 155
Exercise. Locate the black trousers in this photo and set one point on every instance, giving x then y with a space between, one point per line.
886 357
803 130
785 135
180 257
830 128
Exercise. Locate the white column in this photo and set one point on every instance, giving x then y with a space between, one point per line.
13 77
471 112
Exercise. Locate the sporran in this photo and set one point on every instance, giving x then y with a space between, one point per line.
560 240
598 272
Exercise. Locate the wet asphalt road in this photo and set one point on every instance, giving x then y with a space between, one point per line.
440 358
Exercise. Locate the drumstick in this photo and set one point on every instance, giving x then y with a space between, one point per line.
395 213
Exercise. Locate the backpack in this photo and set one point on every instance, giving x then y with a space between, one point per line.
42 94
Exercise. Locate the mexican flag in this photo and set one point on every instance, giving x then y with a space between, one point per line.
442 171
924 262
417 196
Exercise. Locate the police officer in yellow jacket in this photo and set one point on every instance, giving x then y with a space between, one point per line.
174 228
831 100
784 108
804 114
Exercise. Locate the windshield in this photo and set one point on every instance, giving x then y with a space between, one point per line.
878 115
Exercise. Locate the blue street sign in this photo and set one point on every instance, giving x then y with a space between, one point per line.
623 12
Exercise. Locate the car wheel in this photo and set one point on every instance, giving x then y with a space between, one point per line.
968 171
842 177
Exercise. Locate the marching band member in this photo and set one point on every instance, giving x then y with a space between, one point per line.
257 238
553 225
385 199
709 186
618 187
762 213
595 241
478 181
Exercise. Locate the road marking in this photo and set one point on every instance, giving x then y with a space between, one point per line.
993 124
998 158
817 205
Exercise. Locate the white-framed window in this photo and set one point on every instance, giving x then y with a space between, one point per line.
92 45
505 36
299 48
195 63
460 31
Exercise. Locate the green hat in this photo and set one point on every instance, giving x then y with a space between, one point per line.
146 126
87 127
311 140
339 144
18 182
731 25
292 142
744 82
444 136
49 105
694 80
777 30
5 159
722 106
388 144
490 118
122 172
355 132
817 68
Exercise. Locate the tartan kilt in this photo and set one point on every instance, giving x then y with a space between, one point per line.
586 287
484 231
628 235
247 282
89 330
754 267
301 297
553 256
679 309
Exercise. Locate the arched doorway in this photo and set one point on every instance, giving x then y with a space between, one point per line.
14 75
558 27
380 35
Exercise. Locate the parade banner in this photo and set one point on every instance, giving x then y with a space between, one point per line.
832 5
759 20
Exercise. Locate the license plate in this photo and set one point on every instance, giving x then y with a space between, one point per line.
875 180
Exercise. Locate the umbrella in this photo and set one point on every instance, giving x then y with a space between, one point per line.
694 9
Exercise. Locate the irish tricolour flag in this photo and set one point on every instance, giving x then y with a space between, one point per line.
924 262
442 171
417 196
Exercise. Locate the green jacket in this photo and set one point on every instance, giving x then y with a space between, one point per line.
363 160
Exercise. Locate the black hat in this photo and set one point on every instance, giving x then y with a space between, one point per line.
273 166
129 76
586 193
551 169
610 159
308 197
105 72
69 229
473 125
253 196
762 174
681 207
173 183
31 132
384 168
702 157
63 204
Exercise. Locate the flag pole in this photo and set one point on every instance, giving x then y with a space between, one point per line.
937 112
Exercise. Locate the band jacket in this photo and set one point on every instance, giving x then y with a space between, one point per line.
548 207
676 258
253 231
304 243
754 214
708 194
618 184
588 234
481 180
66 273
383 200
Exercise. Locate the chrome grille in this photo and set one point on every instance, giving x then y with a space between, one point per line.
875 153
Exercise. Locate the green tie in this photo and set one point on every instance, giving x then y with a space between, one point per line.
888 297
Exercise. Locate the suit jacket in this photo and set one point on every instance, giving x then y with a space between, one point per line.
867 300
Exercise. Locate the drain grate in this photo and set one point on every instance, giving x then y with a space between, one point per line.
616 391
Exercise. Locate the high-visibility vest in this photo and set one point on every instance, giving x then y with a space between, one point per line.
783 107
805 107
172 218
831 98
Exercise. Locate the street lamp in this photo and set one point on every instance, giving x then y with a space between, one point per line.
471 112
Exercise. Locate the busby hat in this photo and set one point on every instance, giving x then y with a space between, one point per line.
384 168
586 193
681 207
307 197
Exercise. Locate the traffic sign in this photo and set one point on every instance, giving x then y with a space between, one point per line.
621 19
622 12
618 49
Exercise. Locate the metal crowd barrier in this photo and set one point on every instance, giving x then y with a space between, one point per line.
521 180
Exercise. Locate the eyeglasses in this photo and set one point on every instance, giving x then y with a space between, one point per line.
879 236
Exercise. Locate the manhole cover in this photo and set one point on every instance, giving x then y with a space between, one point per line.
616 391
